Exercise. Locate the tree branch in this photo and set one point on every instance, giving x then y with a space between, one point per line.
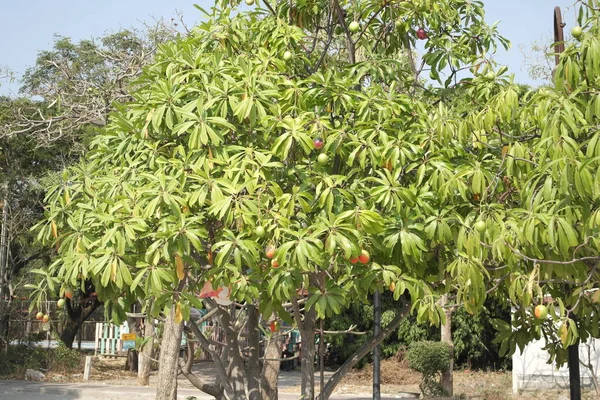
363 351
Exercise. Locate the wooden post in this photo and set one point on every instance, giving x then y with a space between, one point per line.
88 368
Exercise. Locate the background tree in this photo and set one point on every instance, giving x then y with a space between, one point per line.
5 74
22 169
473 335
539 60
74 86
77 83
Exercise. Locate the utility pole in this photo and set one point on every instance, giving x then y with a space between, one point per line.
573 350
377 350
574 375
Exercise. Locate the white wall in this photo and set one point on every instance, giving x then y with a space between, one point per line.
531 371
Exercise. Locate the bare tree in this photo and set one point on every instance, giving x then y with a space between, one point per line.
76 85
6 74
539 59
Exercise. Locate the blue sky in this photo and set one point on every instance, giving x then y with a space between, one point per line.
29 26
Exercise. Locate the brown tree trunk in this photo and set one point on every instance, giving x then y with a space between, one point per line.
235 370
146 354
446 336
253 354
168 363
307 359
365 349
67 336
271 364
77 314
132 362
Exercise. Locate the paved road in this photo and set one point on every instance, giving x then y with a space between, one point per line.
25 390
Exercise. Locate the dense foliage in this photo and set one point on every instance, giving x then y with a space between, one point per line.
473 335
220 141
431 359
304 132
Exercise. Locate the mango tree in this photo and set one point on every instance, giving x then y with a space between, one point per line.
295 155
540 206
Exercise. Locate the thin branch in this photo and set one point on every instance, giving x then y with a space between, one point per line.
342 21
543 261
266 3
221 372
186 370
329 31
366 26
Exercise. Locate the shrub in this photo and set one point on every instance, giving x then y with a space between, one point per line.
64 359
16 359
431 359
473 335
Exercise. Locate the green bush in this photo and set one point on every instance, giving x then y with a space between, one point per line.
360 315
473 335
64 359
16 359
431 359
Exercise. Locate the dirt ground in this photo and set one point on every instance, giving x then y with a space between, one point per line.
396 378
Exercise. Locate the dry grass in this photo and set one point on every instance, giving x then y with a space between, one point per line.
396 377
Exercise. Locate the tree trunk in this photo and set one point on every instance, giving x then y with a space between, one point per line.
222 378
363 351
446 336
76 316
307 358
132 362
133 359
4 306
5 321
168 363
321 358
235 370
271 364
69 332
574 372
253 354
146 354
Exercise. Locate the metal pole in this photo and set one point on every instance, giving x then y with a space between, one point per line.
377 350
573 350
574 376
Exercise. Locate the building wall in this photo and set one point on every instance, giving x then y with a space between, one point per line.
531 370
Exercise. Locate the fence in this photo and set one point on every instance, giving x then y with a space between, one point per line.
24 326
107 339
